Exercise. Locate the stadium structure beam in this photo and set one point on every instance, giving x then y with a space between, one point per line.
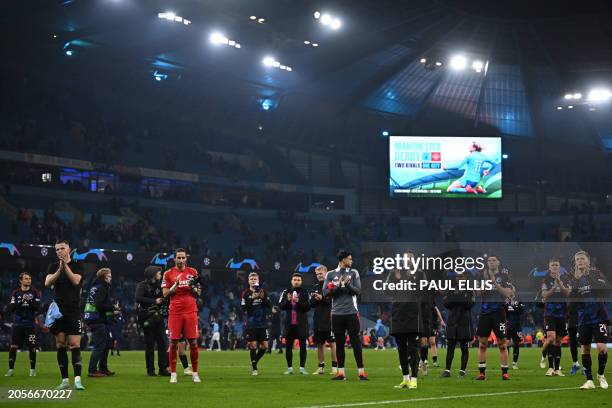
397 31
442 75
425 46
483 83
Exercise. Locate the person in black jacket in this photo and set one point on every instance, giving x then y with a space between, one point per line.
294 301
99 310
459 328
407 328
152 309
322 322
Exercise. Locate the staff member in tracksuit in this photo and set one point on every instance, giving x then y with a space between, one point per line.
407 327
459 328
322 322
344 285
294 301
98 312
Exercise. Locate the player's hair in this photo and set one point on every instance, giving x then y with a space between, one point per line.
177 250
477 147
151 270
494 256
583 252
102 272
554 259
253 274
62 241
299 275
342 254
321 268
24 273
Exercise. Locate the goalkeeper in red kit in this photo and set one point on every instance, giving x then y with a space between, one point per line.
180 285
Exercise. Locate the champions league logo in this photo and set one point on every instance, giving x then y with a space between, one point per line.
11 248
161 259
98 253
239 265
301 268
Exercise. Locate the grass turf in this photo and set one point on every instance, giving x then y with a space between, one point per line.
226 382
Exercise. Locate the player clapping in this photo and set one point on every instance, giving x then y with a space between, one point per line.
25 302
179 284
255 303
592 317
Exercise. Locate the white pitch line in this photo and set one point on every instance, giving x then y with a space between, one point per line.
448 397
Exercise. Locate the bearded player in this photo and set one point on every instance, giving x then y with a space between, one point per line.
180 285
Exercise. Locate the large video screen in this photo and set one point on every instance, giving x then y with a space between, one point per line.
449 167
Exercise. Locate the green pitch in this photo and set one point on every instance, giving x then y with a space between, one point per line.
226 382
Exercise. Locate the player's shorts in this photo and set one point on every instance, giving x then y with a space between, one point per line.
593 333
342 324
513 332
68 325
257 334
468 183
556 324
495 322
23 334
184 325
322 336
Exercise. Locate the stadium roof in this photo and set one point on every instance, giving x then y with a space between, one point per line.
535 51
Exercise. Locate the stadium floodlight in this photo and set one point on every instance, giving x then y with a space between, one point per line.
478 66
317 15
69 53
218 38
170 16
306 42
599 95
438 64
570 107
569 96
504 156
271 62
385 133
458 62
326 19
577 95
261 20
559 107
423 60
315 44
253 18
268 61
336 24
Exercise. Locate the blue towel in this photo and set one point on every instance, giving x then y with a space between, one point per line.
52 314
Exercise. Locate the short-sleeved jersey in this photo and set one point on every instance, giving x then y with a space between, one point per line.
24 305
183 300
591 309
491 299
556 304
256 309
474 164
66 295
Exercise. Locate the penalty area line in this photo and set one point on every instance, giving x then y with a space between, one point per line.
448 397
